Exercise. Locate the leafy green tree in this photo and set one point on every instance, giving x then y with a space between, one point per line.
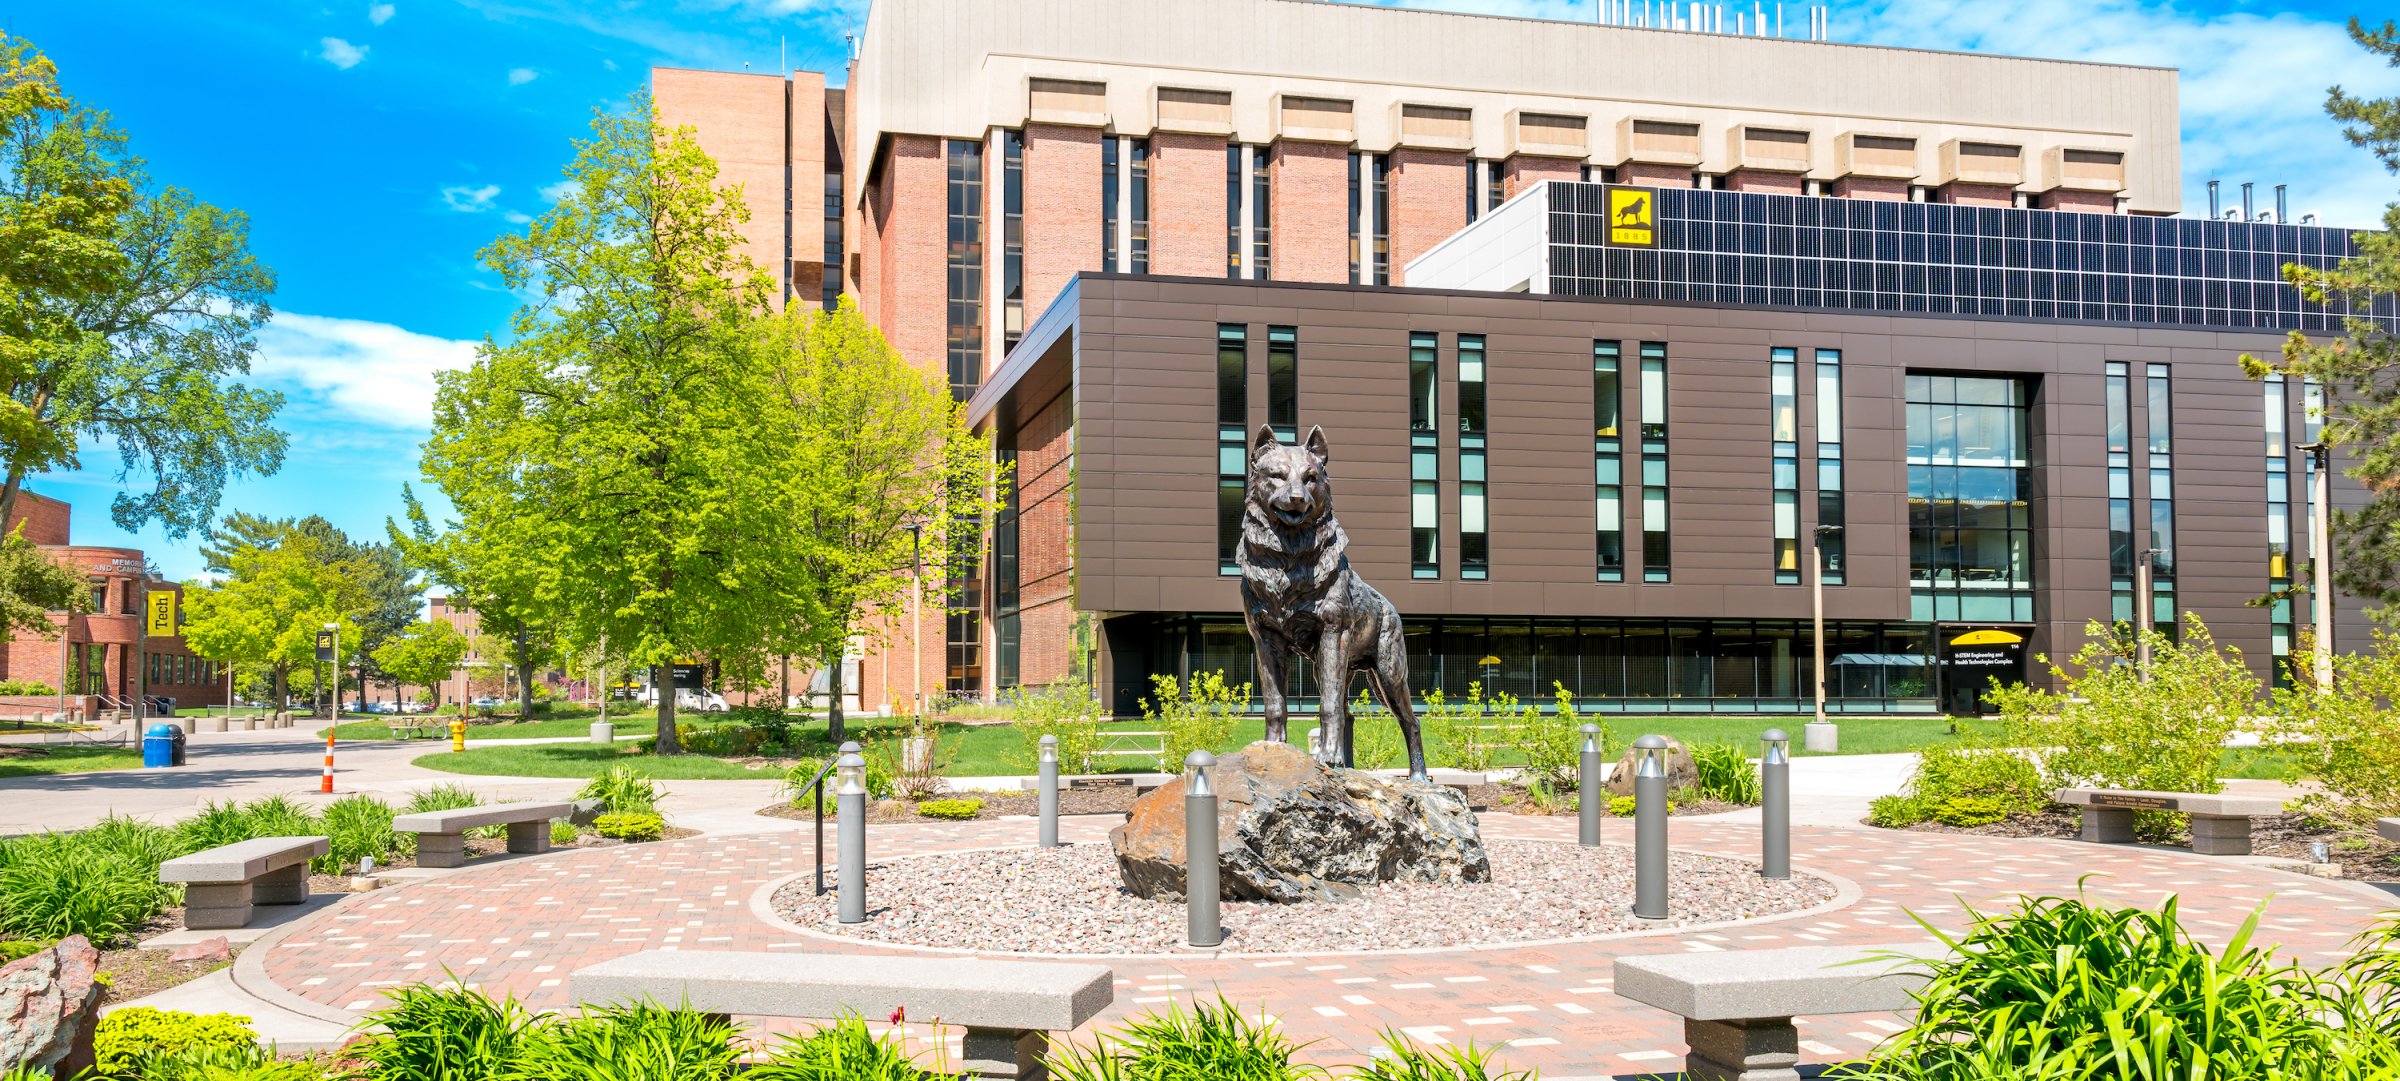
2360 370
598 456
127 314
32 586
270 607
392 590
486 565
2115 724
424 655
877 451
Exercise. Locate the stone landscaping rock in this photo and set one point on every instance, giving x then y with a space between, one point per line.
587 811
1292 829
210 950
1681 773
48 1001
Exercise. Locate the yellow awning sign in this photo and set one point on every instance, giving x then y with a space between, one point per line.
160 617
1987 638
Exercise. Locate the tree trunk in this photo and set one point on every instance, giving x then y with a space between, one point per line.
787 683
275 704
662 679
833 697
524 673
8 492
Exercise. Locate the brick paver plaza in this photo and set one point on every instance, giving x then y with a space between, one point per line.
522 926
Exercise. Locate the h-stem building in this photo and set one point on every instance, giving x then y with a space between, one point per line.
1603 321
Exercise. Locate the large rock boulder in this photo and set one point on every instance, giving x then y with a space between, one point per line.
48 1001
1290 828
1681 773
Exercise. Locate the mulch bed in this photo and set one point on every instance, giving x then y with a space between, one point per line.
2364 856
137 973
19 750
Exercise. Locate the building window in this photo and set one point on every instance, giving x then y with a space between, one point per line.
1474 189
1424 461
965 290
1970 523
1261 220
1137 208
99 598
2279 527
1005 650
1357 214
1233 444
832 286
1283 382
1832 507
1110 149
1379 169
1012 238
1236 186
1125 204
2161 467
1608 461
1474 534
963 637
1658 559
1783 412
1004 538
2119 400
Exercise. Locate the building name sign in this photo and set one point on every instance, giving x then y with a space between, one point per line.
1983 658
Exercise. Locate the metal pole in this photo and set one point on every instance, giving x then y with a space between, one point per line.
1589 800
2142 603
1775 805
1821 736
1650 828
1200 852
2320 570
916 618
1048 796
852 798
848 747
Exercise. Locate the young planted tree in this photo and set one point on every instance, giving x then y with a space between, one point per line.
2360 370
270 607
885 477
127 314
389 588
600 455
424 655
485 564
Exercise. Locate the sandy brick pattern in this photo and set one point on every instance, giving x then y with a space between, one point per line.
1648 175
1045 583
1522 171
1062 210
1187 204
738 118
911 231
1870 187
2080 202
1769 183
1309 186
1428 189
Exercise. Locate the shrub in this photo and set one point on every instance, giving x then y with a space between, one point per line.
842 1051
626 1043
1622 806
1897 811
623 790
25 687
1970 770
248 1063
356 828
143 844
915 778
880 784
1722 771
770 721
279 816
954 809
1472 731
1375 741
725 740
1400 1059
57 885
2108 726
1552 745
125 1037
630 827
443 797
441 1034
19 949
1198 716
2348 739
1969 811
216 824
1066 710
562 832
1213 1041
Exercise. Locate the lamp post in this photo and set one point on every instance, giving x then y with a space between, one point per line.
335 666
1775 804
1046 795
1589 800
1650 828
2143 605
1820 736
2320 562
850 799
1200 885
916 617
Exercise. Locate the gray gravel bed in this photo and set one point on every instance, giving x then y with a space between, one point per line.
1069 901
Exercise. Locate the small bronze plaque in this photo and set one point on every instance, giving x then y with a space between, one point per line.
2133 803
1101 782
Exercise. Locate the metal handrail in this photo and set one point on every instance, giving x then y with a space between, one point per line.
817 785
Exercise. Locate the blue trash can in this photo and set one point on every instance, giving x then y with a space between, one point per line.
162 746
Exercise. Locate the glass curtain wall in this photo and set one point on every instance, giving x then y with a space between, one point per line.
1608 460
1970 523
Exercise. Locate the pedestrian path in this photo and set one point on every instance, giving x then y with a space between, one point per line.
524 926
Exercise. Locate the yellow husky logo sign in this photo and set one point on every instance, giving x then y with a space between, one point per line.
1632 217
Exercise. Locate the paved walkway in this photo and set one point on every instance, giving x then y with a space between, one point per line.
522 927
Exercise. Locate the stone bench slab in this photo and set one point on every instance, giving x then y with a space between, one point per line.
2193 803
1782 983
466 818
2388 828
971 992
242 861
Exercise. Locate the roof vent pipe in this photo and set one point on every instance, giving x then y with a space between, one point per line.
2212 198
2280 214
2247 212
2308 217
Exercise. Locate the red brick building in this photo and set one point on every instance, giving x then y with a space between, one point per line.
102 660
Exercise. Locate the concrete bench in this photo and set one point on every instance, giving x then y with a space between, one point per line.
2388 828
1007 1007
1737 1006
442 835
220 884
2220 824
413 727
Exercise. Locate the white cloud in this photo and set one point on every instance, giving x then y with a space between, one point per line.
355 370
470 200
521 76
517 217
557 191
341 54
380 14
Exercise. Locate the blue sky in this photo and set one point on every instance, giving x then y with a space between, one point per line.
378 145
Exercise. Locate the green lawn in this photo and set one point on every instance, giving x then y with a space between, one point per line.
63 759
561 721
584 760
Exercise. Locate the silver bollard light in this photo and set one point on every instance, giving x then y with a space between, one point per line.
1775 804
850 797
1200 851
1650 827
1048 792
1589 800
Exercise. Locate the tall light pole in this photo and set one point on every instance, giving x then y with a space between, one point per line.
2144 604
916 617
1820 736
335 666
2320 562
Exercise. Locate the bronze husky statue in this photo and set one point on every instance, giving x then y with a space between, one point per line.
1299 595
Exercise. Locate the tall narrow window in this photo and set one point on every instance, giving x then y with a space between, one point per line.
1380 194
1357 213
1004 543
1237 183
965 266
1283 382
1424 458
2279 527
1474 533
1608 461
832 285
1261 221
1012 238
2162 497
1111 185
1474 189
1137 205
2121 548
1233 443
1783 413
1832 508
1658 559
